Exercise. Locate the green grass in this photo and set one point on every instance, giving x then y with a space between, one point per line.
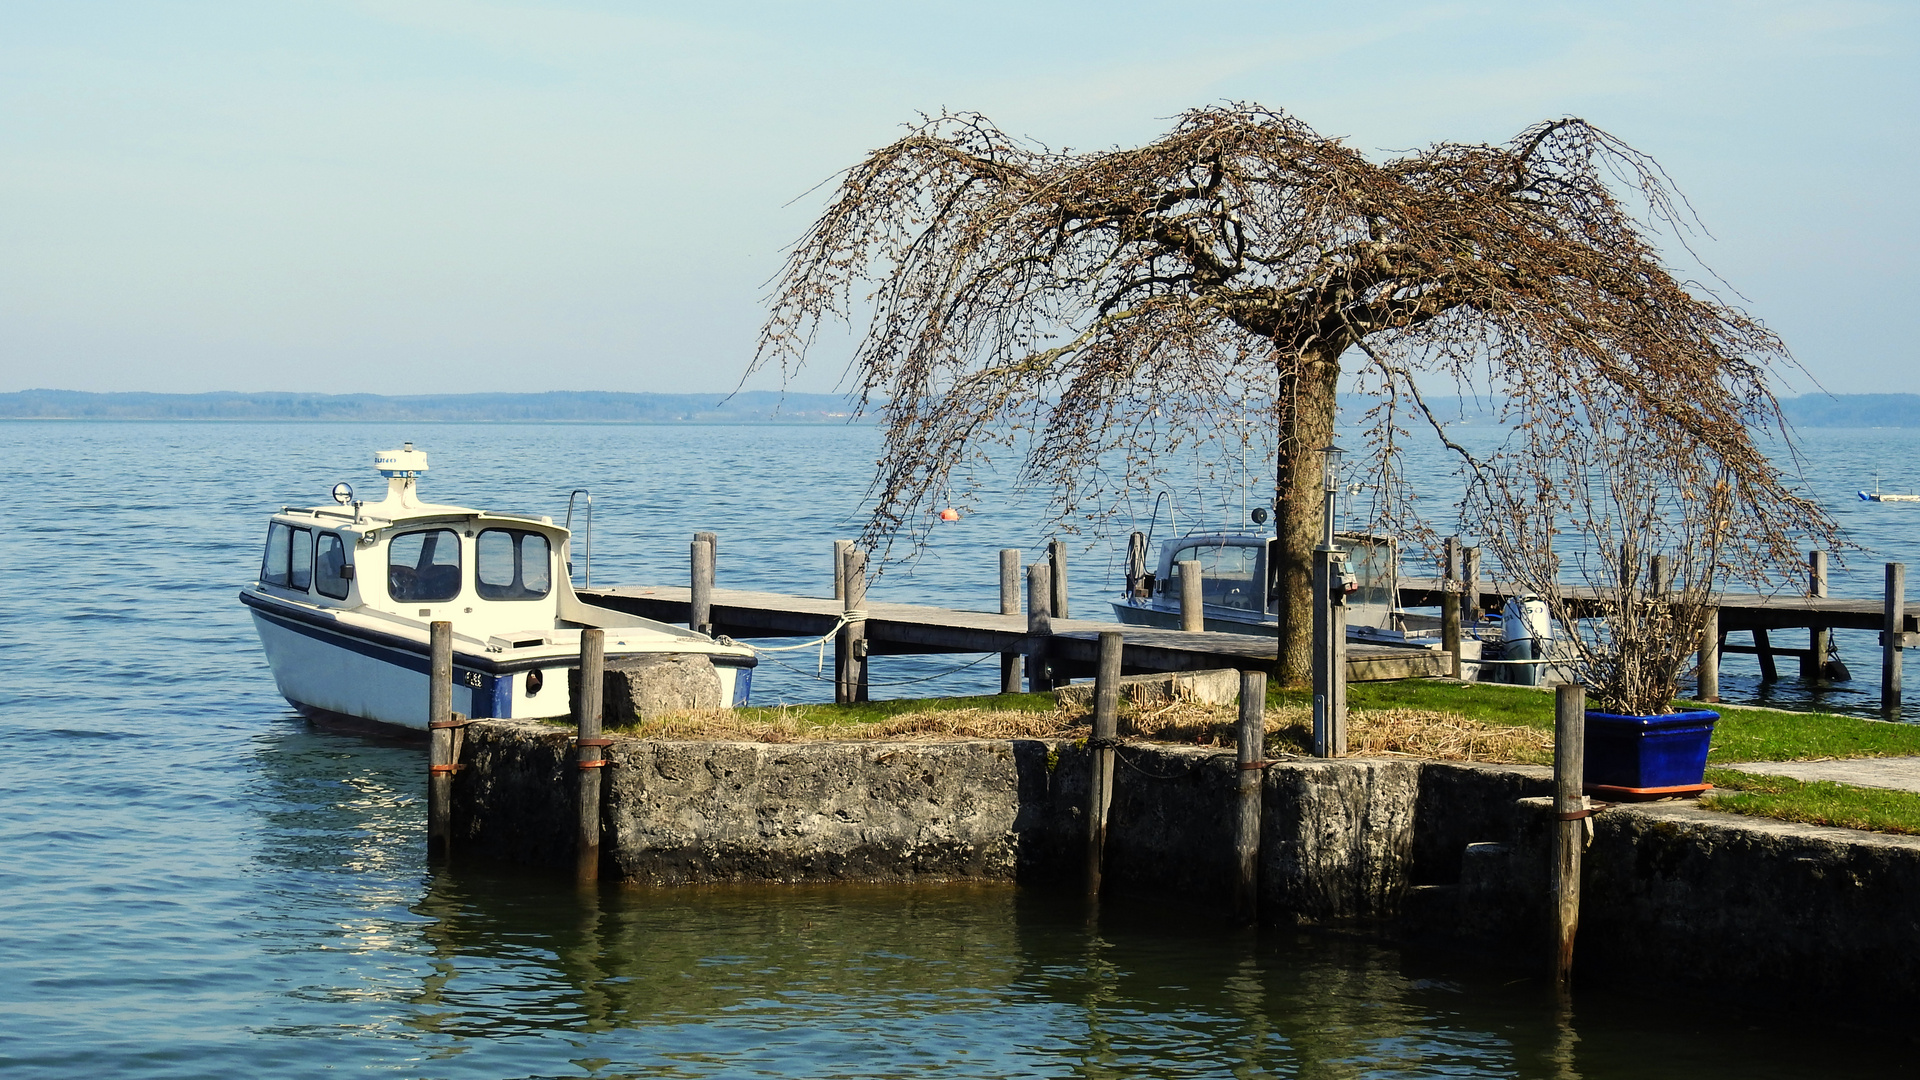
1741 734
1814 802
873 712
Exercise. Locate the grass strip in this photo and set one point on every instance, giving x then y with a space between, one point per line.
1813 802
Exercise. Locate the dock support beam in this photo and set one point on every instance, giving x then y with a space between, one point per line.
440 763
1057 563
1193 612
700 606
1709 679
840 549
1813 666
1010 605
1106 737
1893 633
1250 742
850 645
1569 827
1039 627
592 751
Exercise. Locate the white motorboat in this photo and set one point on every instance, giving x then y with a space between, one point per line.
1876 495
347 594
1235 595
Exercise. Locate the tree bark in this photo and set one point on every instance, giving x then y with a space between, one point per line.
1309 381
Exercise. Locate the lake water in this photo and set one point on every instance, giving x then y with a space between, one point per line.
198 883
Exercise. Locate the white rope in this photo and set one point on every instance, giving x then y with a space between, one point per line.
847 618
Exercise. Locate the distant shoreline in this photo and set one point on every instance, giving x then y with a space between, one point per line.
609 407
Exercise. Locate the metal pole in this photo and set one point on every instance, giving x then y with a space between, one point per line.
592 751
1570 808
1250 742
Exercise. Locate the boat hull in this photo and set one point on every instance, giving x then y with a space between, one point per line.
333 667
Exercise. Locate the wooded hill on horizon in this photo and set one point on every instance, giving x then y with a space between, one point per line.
749 406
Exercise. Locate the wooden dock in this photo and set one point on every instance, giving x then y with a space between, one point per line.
910 629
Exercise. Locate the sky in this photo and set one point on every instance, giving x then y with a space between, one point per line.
426 196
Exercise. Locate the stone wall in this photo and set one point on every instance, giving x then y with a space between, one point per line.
1447 851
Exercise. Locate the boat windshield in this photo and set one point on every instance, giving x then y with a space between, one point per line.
424 567
289 558
1229 574
512 565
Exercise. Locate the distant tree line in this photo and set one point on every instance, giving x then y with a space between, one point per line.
577 406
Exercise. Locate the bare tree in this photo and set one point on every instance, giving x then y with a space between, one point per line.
1095 310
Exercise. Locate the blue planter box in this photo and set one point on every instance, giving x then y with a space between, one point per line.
1648 754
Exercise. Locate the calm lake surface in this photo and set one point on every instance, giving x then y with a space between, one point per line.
198 883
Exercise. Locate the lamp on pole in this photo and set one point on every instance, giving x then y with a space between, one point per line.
1330 587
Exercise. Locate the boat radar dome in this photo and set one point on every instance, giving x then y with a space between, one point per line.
400 467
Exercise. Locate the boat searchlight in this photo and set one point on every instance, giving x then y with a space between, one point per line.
400 467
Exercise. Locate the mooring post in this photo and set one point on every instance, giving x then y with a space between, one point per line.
1057 563
700 608
1471 556
850 652
1193 612
1010 605
1039 626
440 764
1450 560
1450 628
1106 737
1657 583
1813 667
1136 565
1250 742
592 751
1893 634
840 549
1709 678
712 540
1570 812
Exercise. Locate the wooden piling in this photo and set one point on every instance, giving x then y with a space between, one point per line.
1137 565
1057 564
1658 580
1106 737
700 609
1010 605
1709 677
1813 666
591 747
712 540
1450 630
1450 559
1193 613
840 549
1250 742
1763 649
440 763
1471 556
1039 626
1893 637
850 653
1569 833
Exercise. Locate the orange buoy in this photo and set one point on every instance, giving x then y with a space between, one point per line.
949 514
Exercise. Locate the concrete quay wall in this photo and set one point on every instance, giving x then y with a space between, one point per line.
1439 850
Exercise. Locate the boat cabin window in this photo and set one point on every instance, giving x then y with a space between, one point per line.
1229 574
289 559
512 565
424 566
330 566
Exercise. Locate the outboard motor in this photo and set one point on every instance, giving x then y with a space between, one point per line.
1527 626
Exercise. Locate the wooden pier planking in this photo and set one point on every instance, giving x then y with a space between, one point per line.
1742 612
906 629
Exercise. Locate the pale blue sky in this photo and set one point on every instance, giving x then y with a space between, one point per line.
426 195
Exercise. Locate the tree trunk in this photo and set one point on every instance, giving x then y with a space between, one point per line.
1305 418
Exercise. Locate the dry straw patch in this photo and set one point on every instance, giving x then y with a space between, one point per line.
1394 732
